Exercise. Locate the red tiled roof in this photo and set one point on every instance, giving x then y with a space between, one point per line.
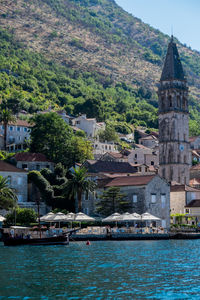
98 166
183 187
5 167
192 138
194 181
193 203
21 123
27 156
130 181
195 167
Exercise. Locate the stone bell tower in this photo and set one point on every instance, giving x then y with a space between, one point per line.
174 147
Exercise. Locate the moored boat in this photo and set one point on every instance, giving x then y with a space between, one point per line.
62 239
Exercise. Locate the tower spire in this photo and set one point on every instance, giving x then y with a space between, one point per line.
173 69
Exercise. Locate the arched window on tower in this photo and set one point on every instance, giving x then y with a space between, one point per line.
170 100
178 158
163 173
184 103
185 159
178 101
162 103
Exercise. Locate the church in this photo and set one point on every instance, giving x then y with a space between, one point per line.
174 147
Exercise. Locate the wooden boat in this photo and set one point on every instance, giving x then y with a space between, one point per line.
54 240
62 239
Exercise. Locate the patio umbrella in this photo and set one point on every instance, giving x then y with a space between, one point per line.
59 217
113 218
149 217
48 217
80 217
127 217
137 216
2 218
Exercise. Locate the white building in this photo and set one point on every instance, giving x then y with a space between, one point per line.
90 126
17 134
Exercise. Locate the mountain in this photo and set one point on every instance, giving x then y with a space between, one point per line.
86 45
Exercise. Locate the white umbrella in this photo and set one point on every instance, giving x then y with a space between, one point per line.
137 216
113 218
129 217
80 217
70 217
48 217
83 217
2 218
149 217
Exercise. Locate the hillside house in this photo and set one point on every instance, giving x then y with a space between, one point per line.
32 161
90 126
18 133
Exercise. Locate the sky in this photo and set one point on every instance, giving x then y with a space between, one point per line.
181 15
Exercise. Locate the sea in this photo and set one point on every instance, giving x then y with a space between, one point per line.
168 269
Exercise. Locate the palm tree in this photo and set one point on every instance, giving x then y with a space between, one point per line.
8 198
79 184
6 116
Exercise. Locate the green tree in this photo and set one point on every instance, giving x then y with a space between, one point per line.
6 116
8 198
109 134
23 216
77 184
111 201
51 136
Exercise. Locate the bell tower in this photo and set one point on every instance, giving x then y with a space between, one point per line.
174 147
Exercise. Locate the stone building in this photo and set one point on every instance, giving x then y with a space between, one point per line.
174 147
17 180
32 161
181 196
145 193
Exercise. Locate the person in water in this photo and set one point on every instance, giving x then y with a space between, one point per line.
88 243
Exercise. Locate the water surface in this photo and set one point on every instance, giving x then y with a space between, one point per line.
104 270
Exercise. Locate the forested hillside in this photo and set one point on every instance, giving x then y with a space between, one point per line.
87 56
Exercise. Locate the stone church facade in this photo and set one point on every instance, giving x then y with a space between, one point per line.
174 147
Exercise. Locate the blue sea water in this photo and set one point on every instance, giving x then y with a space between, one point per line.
103 270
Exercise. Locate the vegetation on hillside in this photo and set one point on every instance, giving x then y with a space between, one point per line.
97 59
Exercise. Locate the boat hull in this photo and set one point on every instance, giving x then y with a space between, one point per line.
58 240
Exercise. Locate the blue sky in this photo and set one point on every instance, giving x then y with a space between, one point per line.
182 15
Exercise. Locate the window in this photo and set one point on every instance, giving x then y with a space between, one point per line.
19 138
37 167
9 180
47 166
163 223
19 180
152 163
187 211
163 200
135 155
170 101
136 162
24 166
25 129
153 198
77 122
11 128
20 198
163 173
134 198
18 128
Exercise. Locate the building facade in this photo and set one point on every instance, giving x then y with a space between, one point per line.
174 147
148 193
